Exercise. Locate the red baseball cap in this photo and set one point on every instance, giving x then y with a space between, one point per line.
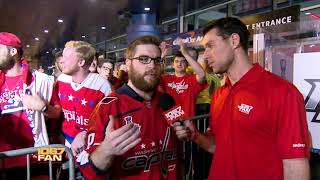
10 39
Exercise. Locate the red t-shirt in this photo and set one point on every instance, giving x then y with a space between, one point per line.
14 125
184 90
257 122
78 101
155 157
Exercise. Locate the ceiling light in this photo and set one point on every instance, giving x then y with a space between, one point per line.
47 52
60 20
103 27
37 39
114 47
307 13
147 9
83 36
46 31
27 45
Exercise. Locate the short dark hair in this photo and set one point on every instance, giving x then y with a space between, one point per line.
96 55
101 61
141 40
58 55
227 26
20 52
178 54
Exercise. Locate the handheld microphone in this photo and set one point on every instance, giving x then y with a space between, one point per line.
173 113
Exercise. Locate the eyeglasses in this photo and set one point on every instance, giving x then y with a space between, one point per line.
147 59
106 68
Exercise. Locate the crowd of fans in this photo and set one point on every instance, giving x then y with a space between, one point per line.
109 114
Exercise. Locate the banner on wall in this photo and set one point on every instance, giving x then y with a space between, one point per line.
270 19
187 37
306 77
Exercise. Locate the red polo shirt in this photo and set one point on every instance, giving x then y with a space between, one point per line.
257 122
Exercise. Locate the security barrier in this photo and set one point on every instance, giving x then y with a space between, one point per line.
201 160
198 156
46 153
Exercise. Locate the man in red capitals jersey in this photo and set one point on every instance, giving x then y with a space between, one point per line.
24 103
128 136
183 87
258 127
79 92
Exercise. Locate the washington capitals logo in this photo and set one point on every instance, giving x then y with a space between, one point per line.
312 101
128 119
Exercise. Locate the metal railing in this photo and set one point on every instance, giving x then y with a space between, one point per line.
28 151
201 122
199 169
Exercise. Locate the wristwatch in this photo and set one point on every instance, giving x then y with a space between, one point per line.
45 108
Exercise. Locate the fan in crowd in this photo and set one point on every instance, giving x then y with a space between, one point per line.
105 69
128 136
25 97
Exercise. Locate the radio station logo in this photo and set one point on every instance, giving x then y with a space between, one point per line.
50 154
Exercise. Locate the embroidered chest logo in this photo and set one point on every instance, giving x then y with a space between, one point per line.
128 120
179 86
245 108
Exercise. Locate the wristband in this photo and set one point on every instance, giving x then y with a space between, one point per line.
95 169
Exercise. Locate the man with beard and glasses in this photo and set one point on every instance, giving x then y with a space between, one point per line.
128 137
24 102
258 126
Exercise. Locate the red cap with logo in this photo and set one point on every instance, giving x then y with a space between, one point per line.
10 39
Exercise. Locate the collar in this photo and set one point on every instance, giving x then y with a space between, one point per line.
252 75
125 89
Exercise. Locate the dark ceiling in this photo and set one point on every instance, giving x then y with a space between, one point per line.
29 18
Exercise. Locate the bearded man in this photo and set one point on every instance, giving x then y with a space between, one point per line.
24 103
128 137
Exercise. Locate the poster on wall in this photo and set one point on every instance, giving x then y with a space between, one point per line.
306 78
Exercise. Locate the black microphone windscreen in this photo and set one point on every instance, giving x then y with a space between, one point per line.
166 101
